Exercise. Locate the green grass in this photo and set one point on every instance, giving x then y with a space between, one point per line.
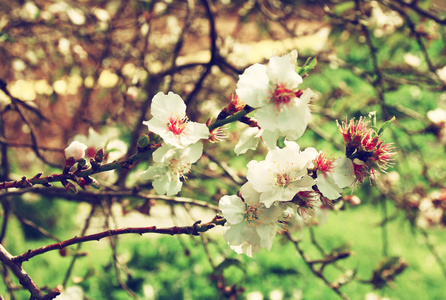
177 267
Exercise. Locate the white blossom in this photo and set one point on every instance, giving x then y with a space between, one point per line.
250 225
282 109
171 165
108 140
438 115
75 150
340 176
289 120
170 121
282 174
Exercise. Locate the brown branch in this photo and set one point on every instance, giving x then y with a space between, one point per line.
214 52
310 263
37 179
26 281
413 5
195 229
6 210
413 30
93 197
73 261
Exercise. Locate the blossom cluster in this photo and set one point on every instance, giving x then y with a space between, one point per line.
182 146
366 148
291 183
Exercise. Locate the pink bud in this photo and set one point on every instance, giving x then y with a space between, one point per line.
76 150
71 188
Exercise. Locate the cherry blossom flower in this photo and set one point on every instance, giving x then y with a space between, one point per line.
75 151
365 148
171 165
282 109
290 120
170 121
250 225
333 175
108 139
282 174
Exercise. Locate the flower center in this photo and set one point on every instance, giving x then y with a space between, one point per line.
283 179
179 167
281 96
177 124
324 163
252 213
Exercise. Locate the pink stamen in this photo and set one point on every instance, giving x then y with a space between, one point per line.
281 96
177 125
324 164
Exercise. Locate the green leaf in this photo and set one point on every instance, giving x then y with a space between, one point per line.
309 65
385 125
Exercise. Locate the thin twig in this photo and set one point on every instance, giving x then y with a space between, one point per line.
318 273
195 229
73 261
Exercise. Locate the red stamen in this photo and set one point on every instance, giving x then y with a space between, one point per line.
177 125
324 164
281 96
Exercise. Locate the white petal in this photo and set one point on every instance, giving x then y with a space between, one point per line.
233 209
249 194
154 172
281 70
246 248
249 139
164 106
163 153
267 234
343 173
252 87
272 195
259 176
192 153
75 150
328 187
270 138
236 234
169 184
192 134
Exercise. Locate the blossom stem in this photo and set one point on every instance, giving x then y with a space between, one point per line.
126 162
235 117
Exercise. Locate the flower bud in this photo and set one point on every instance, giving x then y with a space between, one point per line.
99 156
71 188
82 162
352 199
94 183
143 141
82 183
75 151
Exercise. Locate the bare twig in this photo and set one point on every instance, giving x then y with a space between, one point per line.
195 229
25 280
